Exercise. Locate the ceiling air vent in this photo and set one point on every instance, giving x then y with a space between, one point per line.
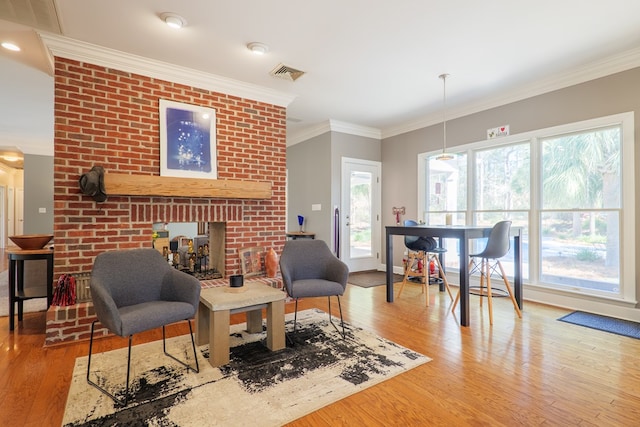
40 14
287 73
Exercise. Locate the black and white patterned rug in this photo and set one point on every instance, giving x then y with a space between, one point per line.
257 384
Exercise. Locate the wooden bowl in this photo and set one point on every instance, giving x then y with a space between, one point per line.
31 242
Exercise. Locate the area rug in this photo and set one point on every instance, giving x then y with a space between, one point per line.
257 387
369 279
626 328
28 306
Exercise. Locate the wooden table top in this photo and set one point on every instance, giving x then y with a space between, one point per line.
226 298
19 251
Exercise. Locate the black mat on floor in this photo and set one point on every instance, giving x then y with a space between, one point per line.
368 279
626 328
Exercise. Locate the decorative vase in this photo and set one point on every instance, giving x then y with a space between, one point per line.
271 263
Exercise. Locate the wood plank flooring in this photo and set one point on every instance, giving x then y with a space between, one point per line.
534 371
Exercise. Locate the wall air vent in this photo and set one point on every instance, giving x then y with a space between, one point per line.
287 73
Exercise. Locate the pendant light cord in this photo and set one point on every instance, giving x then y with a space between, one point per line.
444 111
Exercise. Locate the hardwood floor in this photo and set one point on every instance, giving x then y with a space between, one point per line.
534 371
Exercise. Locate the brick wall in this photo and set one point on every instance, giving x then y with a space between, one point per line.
109 117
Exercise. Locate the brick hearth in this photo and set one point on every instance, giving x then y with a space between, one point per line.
73 323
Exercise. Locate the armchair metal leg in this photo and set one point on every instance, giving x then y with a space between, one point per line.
120 402
123 402
341 320
193 345
295 321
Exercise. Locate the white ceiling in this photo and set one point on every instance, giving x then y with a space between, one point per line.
369 63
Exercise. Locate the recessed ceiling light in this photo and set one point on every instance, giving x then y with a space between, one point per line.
11 46
173 20
258 48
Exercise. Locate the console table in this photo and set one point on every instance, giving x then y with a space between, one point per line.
293 235
18 293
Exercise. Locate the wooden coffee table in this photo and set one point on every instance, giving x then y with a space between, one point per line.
217 305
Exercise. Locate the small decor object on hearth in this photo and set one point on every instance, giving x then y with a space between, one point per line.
271 263
176 259
301 223
64 293
192 262
251 261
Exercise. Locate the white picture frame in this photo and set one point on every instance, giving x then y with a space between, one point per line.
187 140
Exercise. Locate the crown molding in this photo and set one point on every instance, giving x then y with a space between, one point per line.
602 68
294 138
85 52
353 129
308 132
36 144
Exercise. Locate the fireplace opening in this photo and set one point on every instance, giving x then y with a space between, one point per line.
197 248
204 258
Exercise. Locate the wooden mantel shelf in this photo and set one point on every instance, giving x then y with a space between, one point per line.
151 185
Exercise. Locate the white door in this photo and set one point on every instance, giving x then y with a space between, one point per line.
19 211
360 218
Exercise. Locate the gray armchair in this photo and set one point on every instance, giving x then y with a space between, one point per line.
135 291
310 269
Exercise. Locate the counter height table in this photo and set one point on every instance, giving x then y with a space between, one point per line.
463 233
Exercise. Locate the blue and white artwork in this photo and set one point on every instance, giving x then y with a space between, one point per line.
187 137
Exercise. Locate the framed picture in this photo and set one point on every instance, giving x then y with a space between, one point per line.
187 140
251 261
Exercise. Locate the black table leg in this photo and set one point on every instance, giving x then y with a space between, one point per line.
517 269
389 249
12 293
464 281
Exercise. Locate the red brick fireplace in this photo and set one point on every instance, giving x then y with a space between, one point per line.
109 117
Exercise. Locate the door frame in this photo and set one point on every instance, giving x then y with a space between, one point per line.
376 226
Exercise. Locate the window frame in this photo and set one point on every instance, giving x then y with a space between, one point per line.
627 292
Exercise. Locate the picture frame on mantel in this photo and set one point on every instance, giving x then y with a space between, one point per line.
187 140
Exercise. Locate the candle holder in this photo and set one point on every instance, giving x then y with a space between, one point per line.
236 281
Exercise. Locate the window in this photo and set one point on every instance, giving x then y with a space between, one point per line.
565 187
580 215
502 190
447 183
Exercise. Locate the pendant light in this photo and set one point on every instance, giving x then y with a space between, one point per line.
444 155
